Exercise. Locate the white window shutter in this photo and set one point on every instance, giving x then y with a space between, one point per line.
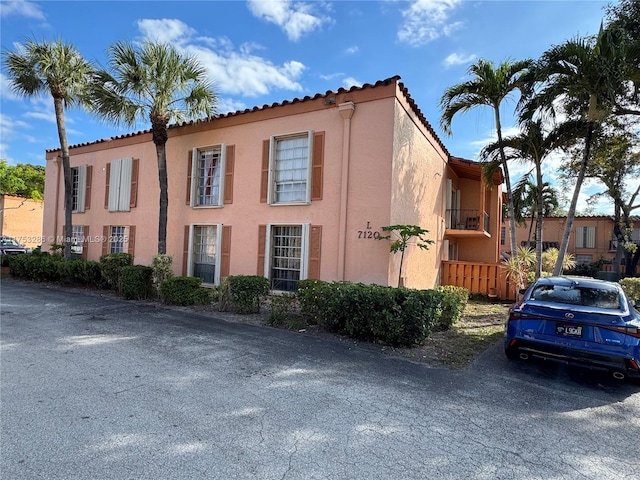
125 185
114 185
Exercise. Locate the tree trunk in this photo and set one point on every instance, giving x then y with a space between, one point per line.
507 181
400 282
540 213
557 270
68 179
164 198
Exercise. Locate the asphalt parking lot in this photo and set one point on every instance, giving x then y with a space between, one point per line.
94 387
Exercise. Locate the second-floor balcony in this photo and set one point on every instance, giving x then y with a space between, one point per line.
467 222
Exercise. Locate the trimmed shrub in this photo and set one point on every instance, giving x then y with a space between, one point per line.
454 301
247 292
395 316
82 272
162 270
36 267
631 286
136 281
184 291
111 268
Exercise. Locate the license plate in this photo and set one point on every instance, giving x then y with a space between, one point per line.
569 330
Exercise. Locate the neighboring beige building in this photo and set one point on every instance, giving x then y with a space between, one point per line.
293 190
21 218
591 237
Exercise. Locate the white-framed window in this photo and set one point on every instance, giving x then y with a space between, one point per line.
118 239
77 239
585 237
290 168
204 245
584 259
78 188
120 176
286 255
208 174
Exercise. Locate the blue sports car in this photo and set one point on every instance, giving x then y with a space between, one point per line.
576 321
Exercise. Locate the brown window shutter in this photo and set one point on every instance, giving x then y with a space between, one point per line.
87 195
106 188
264 180
135 167
132 240
85 243
225 255
315 242
317 166
262 241
185 253
228 174
189 172
106 231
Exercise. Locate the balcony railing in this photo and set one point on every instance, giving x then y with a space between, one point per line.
467 219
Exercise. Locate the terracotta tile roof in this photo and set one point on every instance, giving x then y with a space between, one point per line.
328 93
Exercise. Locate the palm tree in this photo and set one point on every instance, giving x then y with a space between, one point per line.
489 86
56 68
533 144
156 82
585 79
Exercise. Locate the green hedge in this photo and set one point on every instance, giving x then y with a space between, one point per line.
454 302
184 291
395 316
81 272
111 269
247 292
136 281
37 267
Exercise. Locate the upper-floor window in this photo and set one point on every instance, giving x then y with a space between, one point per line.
503 235
585 237
208 168
121 189
80 188
210 176
292 168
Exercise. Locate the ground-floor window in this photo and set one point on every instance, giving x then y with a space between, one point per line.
118 239
205 239
77 240
285 257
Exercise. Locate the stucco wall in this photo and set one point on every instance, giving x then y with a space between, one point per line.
22 219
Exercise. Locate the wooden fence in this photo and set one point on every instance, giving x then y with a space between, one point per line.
484 278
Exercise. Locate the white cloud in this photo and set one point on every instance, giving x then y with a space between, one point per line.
226 105
232 70
458 59
166 30
351 50
426 20
21 9
296 19
351 82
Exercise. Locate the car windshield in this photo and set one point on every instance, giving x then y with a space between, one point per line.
9 242
601 297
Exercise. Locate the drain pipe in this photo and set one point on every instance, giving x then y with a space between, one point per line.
347 110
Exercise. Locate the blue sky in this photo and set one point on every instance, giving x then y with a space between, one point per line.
260 52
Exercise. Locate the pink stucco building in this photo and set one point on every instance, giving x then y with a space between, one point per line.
294 190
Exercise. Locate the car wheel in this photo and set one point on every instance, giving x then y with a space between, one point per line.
511 353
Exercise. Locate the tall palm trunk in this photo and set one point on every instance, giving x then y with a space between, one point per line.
557 270
68 179
507 181
540 213
159 133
